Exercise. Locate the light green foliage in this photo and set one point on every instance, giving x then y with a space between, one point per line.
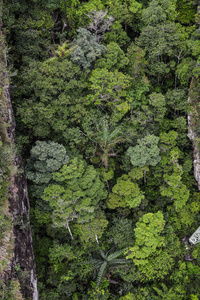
98 293
86 49
146 152
109 89
77 191
148 237
130 190
164 292
95 228
126 191
184 70
58 253
168 140
150 252
125 11
46 158
157 101
175 189
113 59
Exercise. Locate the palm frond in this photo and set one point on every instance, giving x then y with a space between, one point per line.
92 262
105 132
101 272
119 261
102 254
114 133
116 254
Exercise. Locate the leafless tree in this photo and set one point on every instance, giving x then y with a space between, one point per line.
99 23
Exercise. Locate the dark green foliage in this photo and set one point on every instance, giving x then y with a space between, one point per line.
46 158
107 83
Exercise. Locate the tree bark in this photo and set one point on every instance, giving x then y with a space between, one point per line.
69 230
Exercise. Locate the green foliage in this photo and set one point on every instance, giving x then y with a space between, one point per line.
53 86
114 58
126 191
109 89
175 188
108 80
105 139
146 152
184 70
46 158
121 232
86 49
105 262
125 12
77 191
150 252
157 101
94 229
58 253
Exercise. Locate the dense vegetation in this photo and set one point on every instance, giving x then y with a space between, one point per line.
100 93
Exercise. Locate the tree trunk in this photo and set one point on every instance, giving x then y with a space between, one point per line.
69 230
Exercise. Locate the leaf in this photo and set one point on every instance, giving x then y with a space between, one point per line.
116 254
119 261
101 272
102 254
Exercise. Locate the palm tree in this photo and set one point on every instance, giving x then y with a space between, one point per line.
106 261
106 142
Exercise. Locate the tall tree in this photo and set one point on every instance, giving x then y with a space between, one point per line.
75 195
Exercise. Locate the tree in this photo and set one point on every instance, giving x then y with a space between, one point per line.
93 230
106 261
86 49
175 189
99 23
125 12
126 191
105 140
113 59
121 233
75 194
108 90
46 158
157 103
146 152
51 97
152 253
